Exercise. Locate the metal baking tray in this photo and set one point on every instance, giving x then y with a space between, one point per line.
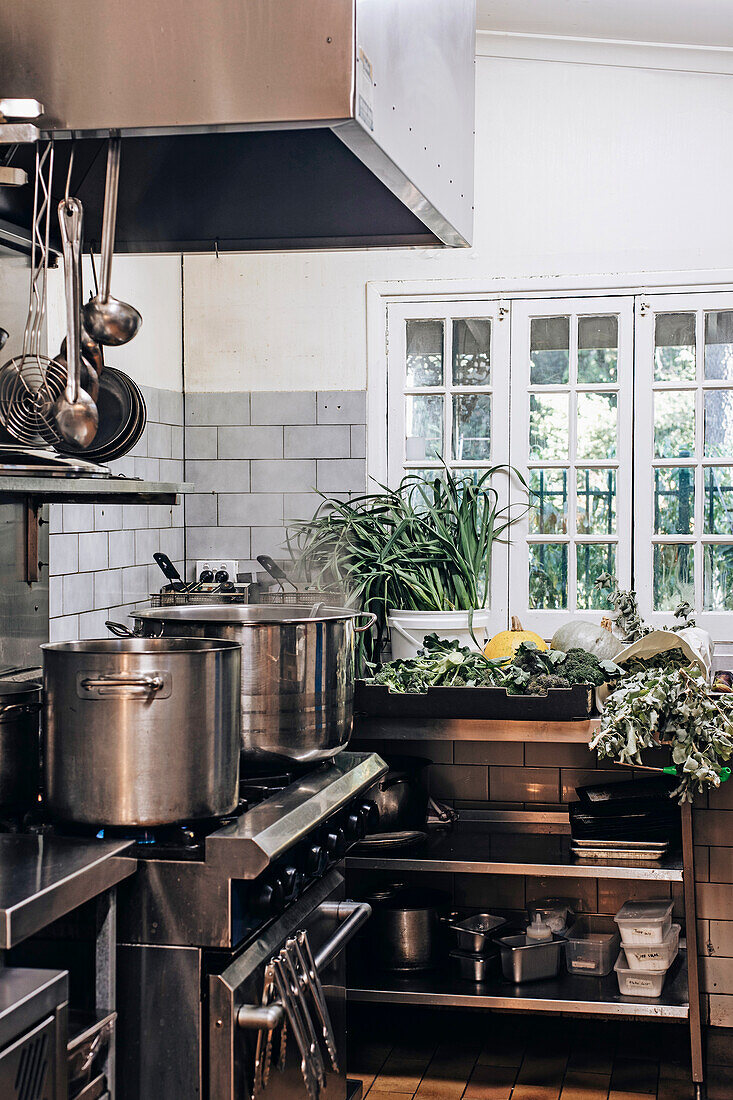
621 854
633 845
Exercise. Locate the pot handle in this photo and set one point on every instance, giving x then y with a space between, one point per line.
403 633
104 685
18 708
119 630
367 626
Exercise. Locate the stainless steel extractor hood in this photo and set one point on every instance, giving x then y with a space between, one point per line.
254 123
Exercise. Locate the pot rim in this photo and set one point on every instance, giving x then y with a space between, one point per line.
140 646
234 614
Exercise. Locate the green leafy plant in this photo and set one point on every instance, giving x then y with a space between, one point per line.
627 620
443 663
424 546
673 708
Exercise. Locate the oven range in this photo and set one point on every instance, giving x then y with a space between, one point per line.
209 907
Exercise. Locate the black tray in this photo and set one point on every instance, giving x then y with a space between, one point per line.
559 705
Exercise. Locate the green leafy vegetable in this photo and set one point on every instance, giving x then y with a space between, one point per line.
675 708
444 663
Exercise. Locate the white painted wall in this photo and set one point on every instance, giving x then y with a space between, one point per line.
153 285
579 169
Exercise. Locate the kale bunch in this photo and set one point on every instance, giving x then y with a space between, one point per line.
577 666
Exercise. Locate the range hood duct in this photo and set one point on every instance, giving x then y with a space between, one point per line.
254 124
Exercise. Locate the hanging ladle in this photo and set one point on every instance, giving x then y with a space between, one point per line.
76 415
107 320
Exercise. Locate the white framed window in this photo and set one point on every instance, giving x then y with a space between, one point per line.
571 436
448 399
684 457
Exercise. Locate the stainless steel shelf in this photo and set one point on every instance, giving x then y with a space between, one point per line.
473 729
70 490
476 849
566 993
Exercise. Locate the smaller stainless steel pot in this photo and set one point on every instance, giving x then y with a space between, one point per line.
403 929
401 795
20 744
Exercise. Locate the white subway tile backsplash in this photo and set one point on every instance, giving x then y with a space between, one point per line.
269 540
107 588
107 517
78 517
341 475
63 554
225 542
250 509
342 407
296 407
218 408
93 551
134 516
251 442
201 442
200 509
321 441
135 587
218 476
121 549
288 475
77 592
64 629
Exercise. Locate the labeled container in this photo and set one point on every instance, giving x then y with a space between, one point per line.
644 922
473 967
638 983
530 961
652 956
475 934
590 951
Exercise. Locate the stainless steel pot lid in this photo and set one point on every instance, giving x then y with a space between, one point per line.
247 614
112 646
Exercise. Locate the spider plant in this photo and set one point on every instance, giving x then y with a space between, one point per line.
424 546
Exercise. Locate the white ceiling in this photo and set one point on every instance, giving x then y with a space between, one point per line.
683 22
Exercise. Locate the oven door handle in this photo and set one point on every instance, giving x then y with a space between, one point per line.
352 915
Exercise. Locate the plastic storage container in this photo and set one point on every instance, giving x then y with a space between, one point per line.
644 922
638 983
589 951
523 961
652 956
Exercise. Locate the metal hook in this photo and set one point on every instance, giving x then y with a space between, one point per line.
216 248
68 174
94 269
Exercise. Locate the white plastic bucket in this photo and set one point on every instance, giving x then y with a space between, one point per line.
408 628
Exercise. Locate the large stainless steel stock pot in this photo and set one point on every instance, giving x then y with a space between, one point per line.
141 731
297 671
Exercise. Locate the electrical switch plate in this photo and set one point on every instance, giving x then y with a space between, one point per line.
215 564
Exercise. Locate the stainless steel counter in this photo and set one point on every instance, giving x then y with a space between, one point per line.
44 877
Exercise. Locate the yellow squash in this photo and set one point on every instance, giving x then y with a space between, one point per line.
504 645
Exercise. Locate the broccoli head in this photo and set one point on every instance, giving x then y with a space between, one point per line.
539 685
581 667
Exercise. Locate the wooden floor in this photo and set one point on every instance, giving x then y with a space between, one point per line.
401 1052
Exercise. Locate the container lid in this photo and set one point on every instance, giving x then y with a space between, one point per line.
475 956
600 938
18 692
651 912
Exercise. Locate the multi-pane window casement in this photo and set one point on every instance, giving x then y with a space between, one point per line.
684 457
448 399
571 435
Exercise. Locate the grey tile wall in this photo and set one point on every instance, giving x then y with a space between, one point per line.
100 555
258 462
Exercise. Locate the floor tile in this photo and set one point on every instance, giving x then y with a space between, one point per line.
490 1082
585 1086
635 1076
